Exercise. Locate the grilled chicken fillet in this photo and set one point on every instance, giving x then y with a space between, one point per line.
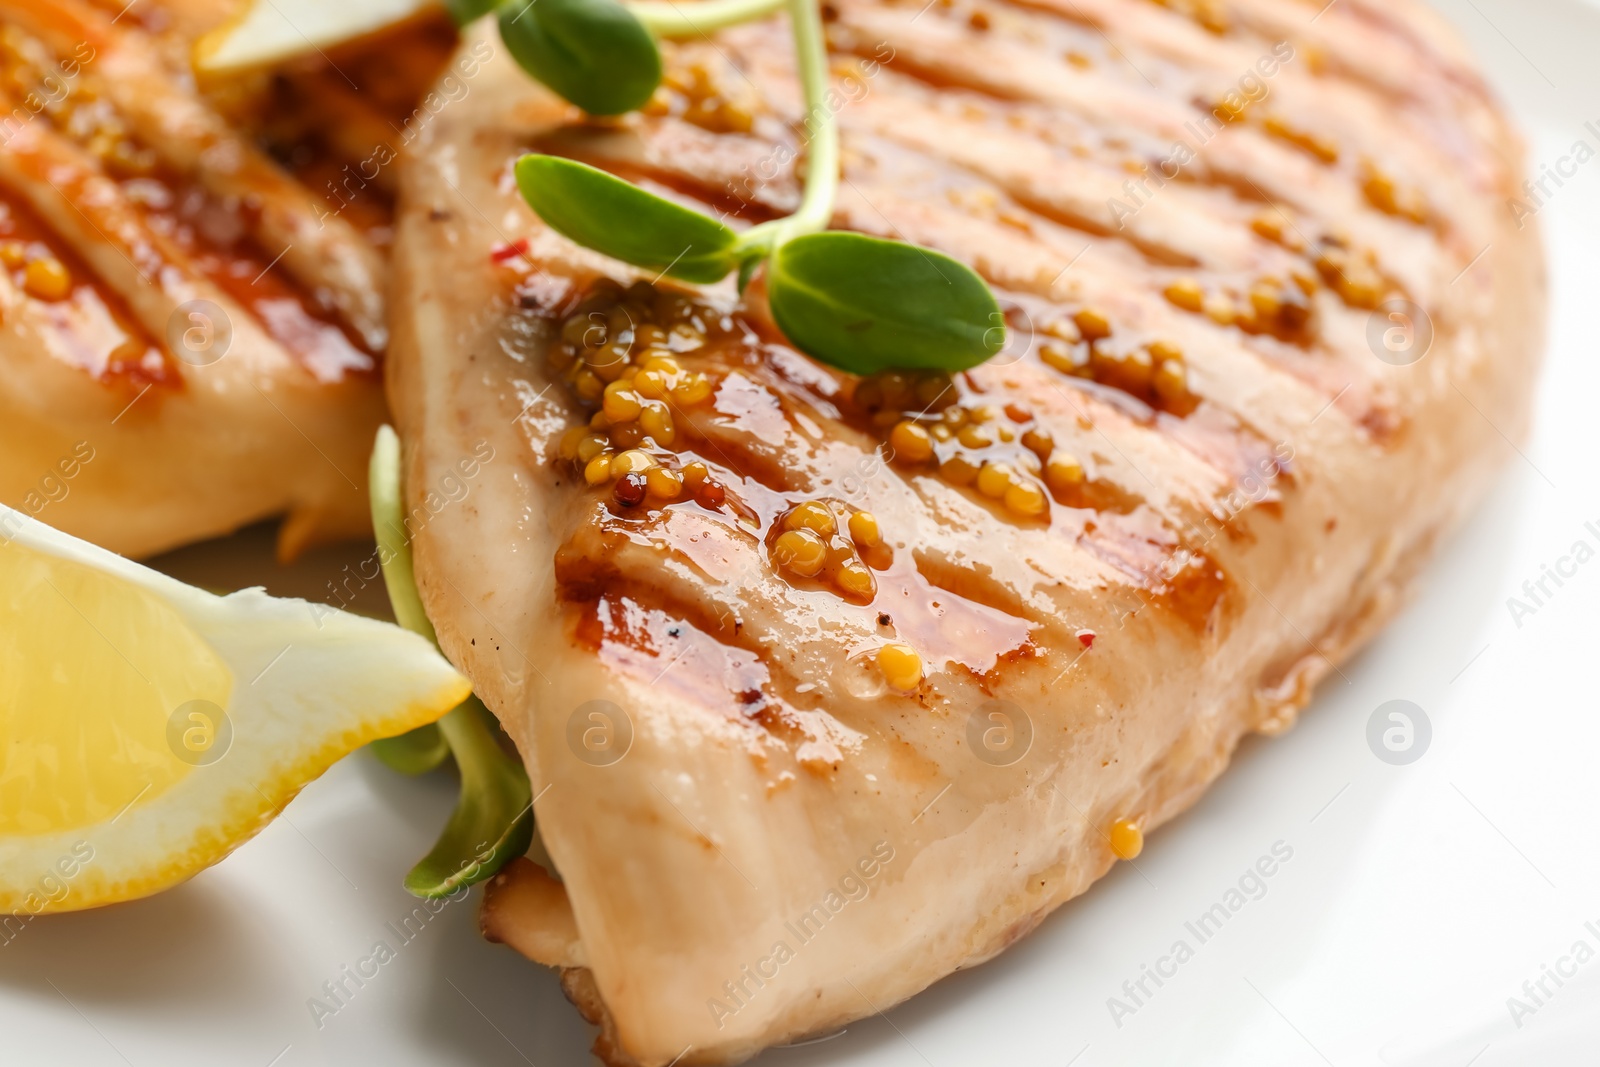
828 686
189 333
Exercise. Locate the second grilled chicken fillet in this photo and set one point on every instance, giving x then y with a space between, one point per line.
189 335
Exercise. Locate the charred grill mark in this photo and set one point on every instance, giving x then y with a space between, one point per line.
94 324
661 646
1033 212
147 193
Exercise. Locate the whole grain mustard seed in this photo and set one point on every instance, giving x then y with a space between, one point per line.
1171 381
864 529
994 479
632 461
598 469
630 490
824 540
1127 840
901 667
47 279
1025 498
621 403
911 442
855 579
958 470
812 515
663 484
800 551
1063 472
1187 294
1092 324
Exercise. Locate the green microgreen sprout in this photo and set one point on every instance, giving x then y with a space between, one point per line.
493 820
862 304
595 53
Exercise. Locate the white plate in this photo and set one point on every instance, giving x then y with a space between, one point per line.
1418 898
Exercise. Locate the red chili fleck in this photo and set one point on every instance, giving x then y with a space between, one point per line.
630 490
1086 638
502 252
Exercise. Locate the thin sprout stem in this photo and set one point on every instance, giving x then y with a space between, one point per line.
664 18
822 138
388 525
474 745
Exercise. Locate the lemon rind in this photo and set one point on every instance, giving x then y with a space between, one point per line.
371 680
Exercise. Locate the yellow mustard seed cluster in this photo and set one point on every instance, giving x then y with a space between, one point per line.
1084 346
1353 275
1323 148
1283 306
701 93
36 270
1211 14
1270 306
58 89
1000 452
1386 193
832 544
619 351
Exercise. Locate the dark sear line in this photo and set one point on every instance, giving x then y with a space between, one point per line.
716 431
659 141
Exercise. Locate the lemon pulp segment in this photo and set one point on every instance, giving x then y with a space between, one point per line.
92 668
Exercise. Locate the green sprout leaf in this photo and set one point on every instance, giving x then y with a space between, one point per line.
595 53
493 820
464 12
413 752
621 220
864 304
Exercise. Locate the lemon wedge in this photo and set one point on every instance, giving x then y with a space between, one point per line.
270 31
148 728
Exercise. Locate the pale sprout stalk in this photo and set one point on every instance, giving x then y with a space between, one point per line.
667 19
